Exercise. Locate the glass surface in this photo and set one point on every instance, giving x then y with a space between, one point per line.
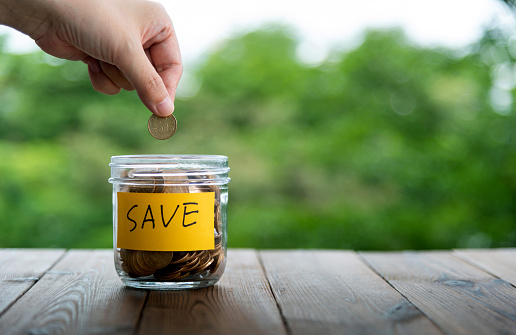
170 267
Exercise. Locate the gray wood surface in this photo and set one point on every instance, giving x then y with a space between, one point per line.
499 262
20 269
80 295
334 292
266 292
459 297
241 303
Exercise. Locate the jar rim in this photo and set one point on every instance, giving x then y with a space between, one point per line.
145 167
165 158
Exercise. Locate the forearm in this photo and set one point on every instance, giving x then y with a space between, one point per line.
31 17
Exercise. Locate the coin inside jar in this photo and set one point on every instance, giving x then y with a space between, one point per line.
158 259
162 128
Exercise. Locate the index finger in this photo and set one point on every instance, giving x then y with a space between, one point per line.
166 57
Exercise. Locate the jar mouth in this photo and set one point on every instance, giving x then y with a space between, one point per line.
129 168
167 159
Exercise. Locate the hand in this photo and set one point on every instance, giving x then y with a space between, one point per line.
128 44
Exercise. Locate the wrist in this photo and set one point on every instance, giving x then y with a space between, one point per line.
30 17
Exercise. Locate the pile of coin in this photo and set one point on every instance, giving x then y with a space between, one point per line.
176 265
172 266
185 264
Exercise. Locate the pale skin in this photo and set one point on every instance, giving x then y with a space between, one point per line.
127 44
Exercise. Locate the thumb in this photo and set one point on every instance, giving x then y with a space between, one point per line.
149 86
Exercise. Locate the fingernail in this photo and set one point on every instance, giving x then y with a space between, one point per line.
165 108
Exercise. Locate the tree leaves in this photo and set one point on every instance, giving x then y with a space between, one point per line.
387 146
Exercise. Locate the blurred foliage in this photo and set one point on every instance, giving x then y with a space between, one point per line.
386 146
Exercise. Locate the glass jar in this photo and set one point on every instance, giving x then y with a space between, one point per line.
169 220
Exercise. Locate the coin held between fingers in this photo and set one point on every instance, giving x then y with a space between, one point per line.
162 128
166 107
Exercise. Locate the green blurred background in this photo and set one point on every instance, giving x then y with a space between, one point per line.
388 145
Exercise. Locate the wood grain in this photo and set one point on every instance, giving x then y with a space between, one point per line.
82 294
457 296
20 269
334 292
240 303
313 292
499 262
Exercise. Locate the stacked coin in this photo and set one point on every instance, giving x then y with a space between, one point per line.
138 263
184 264
177 265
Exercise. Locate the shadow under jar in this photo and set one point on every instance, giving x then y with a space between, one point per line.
169 220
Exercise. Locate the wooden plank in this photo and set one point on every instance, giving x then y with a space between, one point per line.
457 296
240 303
82 294
499 262
334 292
20 269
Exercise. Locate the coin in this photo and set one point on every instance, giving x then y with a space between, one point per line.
141 187
158 184
157 259
173 183
141 262
167 274
153 185
207 262
162 127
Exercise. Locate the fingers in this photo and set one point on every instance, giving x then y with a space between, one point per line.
166 58
99 80
106 78
136 45
149 85
116 76
154 73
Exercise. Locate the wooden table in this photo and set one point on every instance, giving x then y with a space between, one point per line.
266 292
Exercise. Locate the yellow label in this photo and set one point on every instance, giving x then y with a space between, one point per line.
166 221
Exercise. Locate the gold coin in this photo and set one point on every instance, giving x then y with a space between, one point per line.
218 240
158 184
167 273
166 276
155 185
140 271
183 275
142 187
173 183
206 264
181 257
218 221
128 265
142 264
162 127
215 266
157 259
